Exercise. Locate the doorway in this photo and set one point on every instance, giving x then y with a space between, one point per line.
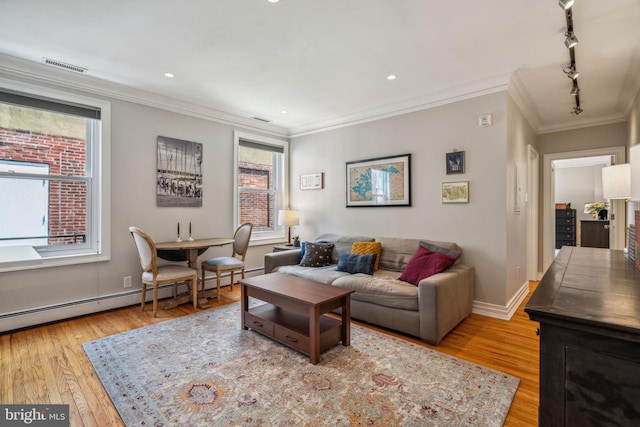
549 199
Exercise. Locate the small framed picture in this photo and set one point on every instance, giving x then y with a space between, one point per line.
455 162
455 192
313 181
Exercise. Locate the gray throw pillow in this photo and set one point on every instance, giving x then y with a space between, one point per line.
316 255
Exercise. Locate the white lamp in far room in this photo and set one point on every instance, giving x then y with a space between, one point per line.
616 181
635 172
288 218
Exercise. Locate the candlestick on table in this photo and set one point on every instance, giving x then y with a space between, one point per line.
178 239
190 238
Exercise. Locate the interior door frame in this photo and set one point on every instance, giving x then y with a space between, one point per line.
548 214
532 199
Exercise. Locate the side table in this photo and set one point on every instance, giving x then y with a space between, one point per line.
281 248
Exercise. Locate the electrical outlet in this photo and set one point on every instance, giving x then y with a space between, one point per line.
127 282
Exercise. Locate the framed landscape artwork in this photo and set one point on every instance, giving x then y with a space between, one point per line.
455 192
384 181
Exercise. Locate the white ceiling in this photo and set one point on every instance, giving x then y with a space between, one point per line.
326 61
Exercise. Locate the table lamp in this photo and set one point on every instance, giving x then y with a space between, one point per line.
616 181
288 218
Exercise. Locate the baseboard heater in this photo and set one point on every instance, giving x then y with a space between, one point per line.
37 316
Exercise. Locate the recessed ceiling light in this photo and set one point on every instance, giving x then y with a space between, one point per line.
284 112
274 1
170 75
391 77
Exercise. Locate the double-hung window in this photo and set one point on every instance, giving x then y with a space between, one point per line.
261 183
53 172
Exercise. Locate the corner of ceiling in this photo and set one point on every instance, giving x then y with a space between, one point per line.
523 100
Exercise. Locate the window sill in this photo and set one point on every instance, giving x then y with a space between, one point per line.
7 264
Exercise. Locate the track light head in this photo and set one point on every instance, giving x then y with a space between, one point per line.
571 71
577 110
575 90
566 4
571 40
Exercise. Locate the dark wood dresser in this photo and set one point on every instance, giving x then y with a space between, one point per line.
594 233
588 306
565 227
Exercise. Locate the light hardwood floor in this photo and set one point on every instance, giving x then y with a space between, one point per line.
48 365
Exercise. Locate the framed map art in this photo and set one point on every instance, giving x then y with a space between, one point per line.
385 181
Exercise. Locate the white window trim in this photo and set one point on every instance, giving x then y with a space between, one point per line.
280 235
101 223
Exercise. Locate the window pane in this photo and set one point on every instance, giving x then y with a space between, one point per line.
256 168
42 212
259 209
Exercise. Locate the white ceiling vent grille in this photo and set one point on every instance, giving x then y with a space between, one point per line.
261 119
65 66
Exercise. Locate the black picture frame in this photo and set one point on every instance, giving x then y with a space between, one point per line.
379 182
455 162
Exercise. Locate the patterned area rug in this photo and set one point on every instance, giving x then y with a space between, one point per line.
203 370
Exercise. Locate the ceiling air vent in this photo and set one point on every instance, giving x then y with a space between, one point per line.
65 66
261 119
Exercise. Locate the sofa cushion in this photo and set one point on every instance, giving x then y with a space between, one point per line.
324 275
342 244
449 251
381 289
316 255
363 248
396 252
354 263
425 263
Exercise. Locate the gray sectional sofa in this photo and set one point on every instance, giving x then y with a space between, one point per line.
429 310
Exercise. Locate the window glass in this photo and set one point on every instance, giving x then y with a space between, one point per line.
48 172
260 181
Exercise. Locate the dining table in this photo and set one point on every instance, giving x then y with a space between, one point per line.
189 250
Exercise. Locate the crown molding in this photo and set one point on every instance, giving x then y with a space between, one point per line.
423 102
582 123
523 100
31 72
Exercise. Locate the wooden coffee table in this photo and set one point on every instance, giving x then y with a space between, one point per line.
294 315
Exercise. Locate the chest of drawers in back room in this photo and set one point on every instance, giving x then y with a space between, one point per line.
565 227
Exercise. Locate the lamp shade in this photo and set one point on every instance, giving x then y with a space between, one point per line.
288 217
616 181
635 172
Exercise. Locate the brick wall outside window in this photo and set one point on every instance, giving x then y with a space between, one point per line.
257 208
65 156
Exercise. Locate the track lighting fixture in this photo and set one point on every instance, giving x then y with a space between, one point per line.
566 4
571 40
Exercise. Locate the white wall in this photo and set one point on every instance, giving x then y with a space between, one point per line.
478 227
519 135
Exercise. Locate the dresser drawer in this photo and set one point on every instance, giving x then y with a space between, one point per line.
565 228
565 213
258 324
293 339
565 236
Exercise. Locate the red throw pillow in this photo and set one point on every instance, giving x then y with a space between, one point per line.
425 263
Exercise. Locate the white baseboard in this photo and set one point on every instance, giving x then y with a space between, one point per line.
500 311
46 314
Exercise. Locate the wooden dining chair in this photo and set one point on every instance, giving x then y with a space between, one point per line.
154 275
232 263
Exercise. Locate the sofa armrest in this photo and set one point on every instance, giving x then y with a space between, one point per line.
445 299
276 259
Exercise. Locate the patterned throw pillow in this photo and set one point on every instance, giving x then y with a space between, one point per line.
316 255
352 263
364 248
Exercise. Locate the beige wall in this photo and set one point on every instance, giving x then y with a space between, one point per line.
478 227
135 129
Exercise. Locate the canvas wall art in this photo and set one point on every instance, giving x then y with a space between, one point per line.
179 173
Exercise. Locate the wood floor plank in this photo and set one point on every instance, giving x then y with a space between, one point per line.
48 363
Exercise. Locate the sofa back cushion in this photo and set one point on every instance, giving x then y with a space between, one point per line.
397 252
341 244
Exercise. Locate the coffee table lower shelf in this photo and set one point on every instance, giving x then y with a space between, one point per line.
292 329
